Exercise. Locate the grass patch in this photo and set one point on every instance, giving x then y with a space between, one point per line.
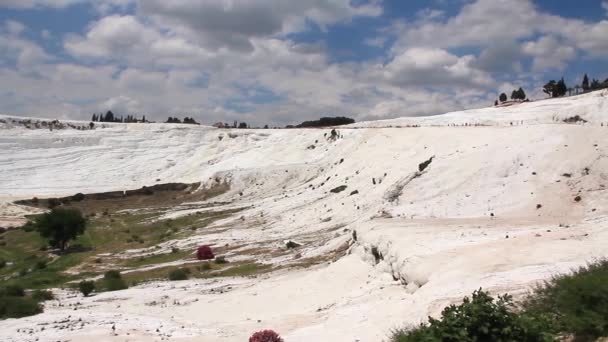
156 259
29 265
243 270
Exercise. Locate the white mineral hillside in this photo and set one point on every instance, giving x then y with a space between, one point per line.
495 208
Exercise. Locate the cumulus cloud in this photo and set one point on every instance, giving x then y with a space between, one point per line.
18 51
14 27
37 3
434 67
221 60
548 52
229 24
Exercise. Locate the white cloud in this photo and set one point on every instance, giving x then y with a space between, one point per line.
483 23
434 67
211 59
548 52
14 27
23 53
37 3
228 24
46 34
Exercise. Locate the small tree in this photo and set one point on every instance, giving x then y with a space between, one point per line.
521 94
549 88
503 97
585 84
561 88
60 226
86 287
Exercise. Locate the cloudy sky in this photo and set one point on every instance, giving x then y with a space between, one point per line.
280 61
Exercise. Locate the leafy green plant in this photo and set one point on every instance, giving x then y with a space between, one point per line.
178 274
86 287
112 281
42 295
17 307
574 303
221 260
479 318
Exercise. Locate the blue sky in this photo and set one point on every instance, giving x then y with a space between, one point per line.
280 62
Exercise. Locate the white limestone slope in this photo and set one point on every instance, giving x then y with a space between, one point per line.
469 220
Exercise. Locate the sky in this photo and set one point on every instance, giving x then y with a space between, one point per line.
281 62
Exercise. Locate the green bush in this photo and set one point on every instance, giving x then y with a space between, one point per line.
576 303
12 291
86 287
2 263
112 281
17 307
42 295
179 274
113 274
78 197
479 318
221 260
40 265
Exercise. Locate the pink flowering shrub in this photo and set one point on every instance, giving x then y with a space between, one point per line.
204 253
265 336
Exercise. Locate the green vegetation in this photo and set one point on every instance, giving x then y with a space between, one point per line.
179 274
15 304
479 318
576 303
60 226
327 121
112 281
568 305
243 270
86 287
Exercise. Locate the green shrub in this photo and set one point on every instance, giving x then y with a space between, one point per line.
174 250
12 291
28 227
86 287
112 274
179 274
78 197
112 281
221 260
42 295
40 265
576 303
17 307
53 202
479 318
2 263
